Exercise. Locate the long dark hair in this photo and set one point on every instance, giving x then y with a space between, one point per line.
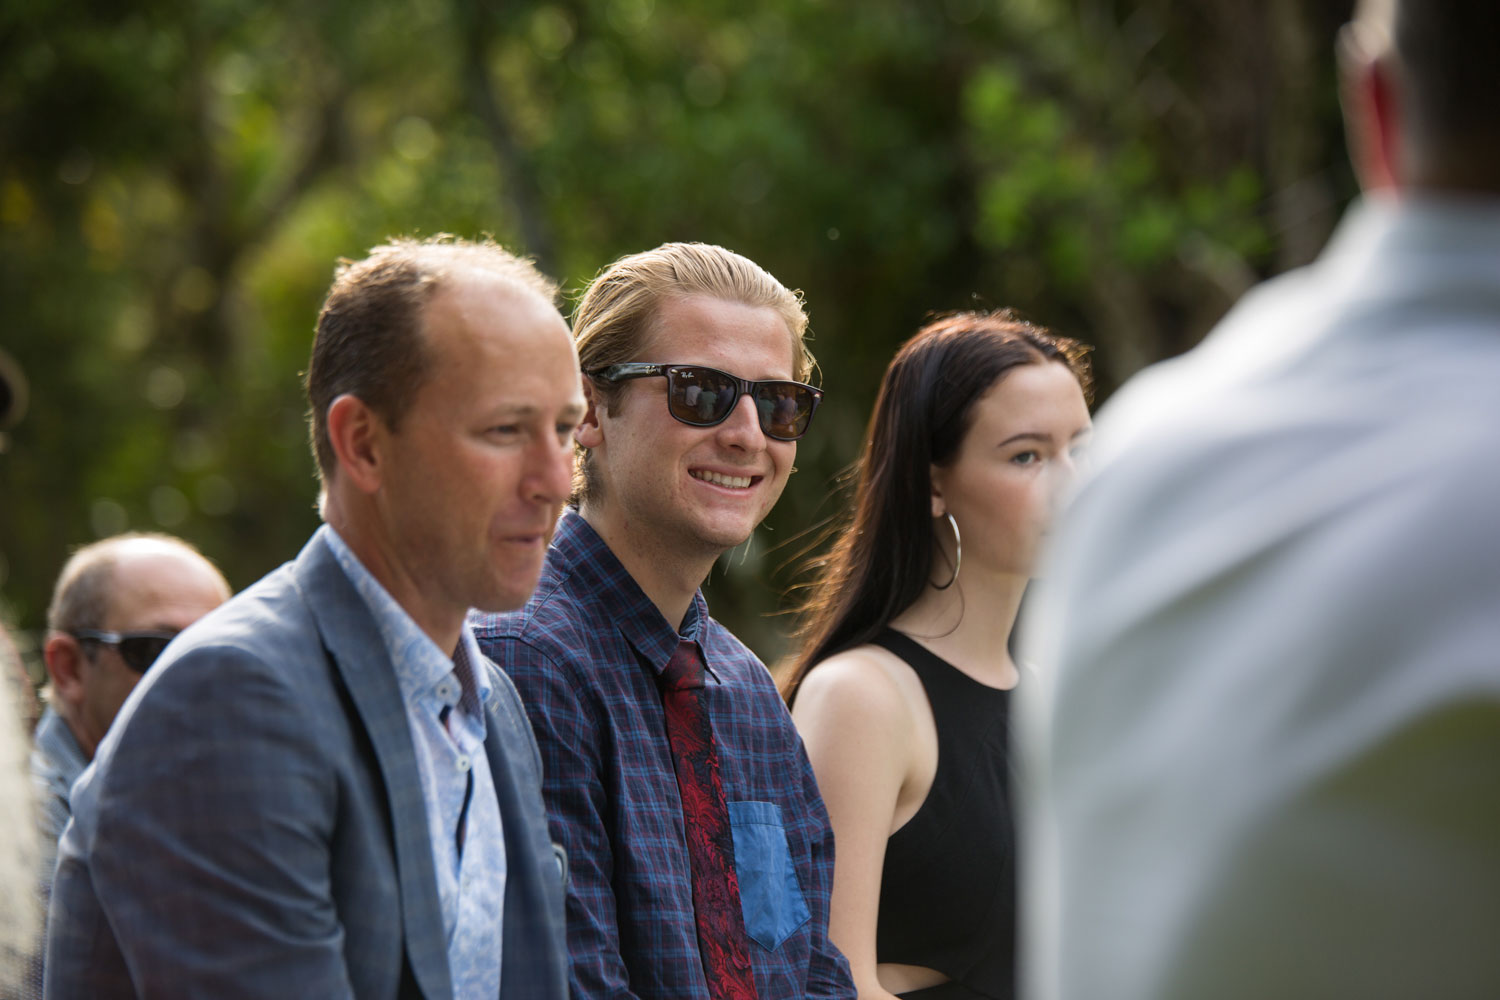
881 561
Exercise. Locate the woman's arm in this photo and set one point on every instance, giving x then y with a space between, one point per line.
857 723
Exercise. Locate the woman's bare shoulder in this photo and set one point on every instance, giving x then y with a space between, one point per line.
867 684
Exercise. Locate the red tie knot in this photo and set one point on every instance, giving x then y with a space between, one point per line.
685 669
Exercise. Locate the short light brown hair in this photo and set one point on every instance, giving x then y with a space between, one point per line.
368 342
1447 48
614 318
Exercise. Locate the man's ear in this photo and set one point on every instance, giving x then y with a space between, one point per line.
1368 93
64 658
358 436
589 433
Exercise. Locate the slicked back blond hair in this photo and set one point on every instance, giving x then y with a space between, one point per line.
615 318
368 341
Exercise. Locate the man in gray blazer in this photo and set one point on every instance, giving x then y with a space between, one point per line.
323 789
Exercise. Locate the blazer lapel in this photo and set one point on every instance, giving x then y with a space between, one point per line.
353 642
534 962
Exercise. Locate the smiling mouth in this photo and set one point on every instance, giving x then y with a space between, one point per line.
719 479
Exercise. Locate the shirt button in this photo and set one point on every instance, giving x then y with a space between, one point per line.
447 690
462 763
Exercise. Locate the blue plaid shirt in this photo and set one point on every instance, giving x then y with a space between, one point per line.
584 654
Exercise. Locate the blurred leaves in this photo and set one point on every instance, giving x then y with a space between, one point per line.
177 180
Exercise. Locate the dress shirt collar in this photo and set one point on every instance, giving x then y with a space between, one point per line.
59 746
601 574
1441 230
422 668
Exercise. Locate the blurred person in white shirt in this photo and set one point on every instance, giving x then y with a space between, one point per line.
1266 764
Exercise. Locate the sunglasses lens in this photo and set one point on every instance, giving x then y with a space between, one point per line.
140 651
699 396
704 397
785 409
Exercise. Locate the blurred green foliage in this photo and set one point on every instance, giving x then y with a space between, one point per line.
178 178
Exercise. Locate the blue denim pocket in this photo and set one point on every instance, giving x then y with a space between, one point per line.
769 892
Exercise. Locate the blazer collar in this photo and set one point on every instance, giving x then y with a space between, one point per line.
353 643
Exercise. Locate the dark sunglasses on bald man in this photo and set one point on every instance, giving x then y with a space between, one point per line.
138 649
702 397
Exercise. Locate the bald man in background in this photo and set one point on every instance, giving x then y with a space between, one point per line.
116 605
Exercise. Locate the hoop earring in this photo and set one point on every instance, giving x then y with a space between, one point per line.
958 554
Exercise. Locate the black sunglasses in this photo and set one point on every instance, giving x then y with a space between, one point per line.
702 397
138 649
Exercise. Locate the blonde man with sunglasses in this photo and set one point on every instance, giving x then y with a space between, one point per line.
700 853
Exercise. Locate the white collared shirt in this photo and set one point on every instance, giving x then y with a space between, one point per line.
1266 760
445 700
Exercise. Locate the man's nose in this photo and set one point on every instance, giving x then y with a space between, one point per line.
551 473
741 429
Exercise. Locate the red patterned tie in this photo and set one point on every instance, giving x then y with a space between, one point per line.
722 941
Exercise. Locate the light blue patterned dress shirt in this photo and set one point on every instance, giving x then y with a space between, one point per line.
445 701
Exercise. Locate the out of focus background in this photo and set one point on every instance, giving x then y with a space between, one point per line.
178 178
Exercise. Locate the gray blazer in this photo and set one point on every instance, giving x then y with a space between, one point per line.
253 825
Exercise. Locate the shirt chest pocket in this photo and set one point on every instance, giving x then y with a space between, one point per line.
770 894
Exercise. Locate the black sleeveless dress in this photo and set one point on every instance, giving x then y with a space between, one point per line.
948 890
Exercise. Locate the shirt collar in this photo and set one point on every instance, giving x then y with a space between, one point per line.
59 744
599 573
422 668
1457 231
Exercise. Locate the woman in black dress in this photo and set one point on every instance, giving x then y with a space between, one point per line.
902 688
